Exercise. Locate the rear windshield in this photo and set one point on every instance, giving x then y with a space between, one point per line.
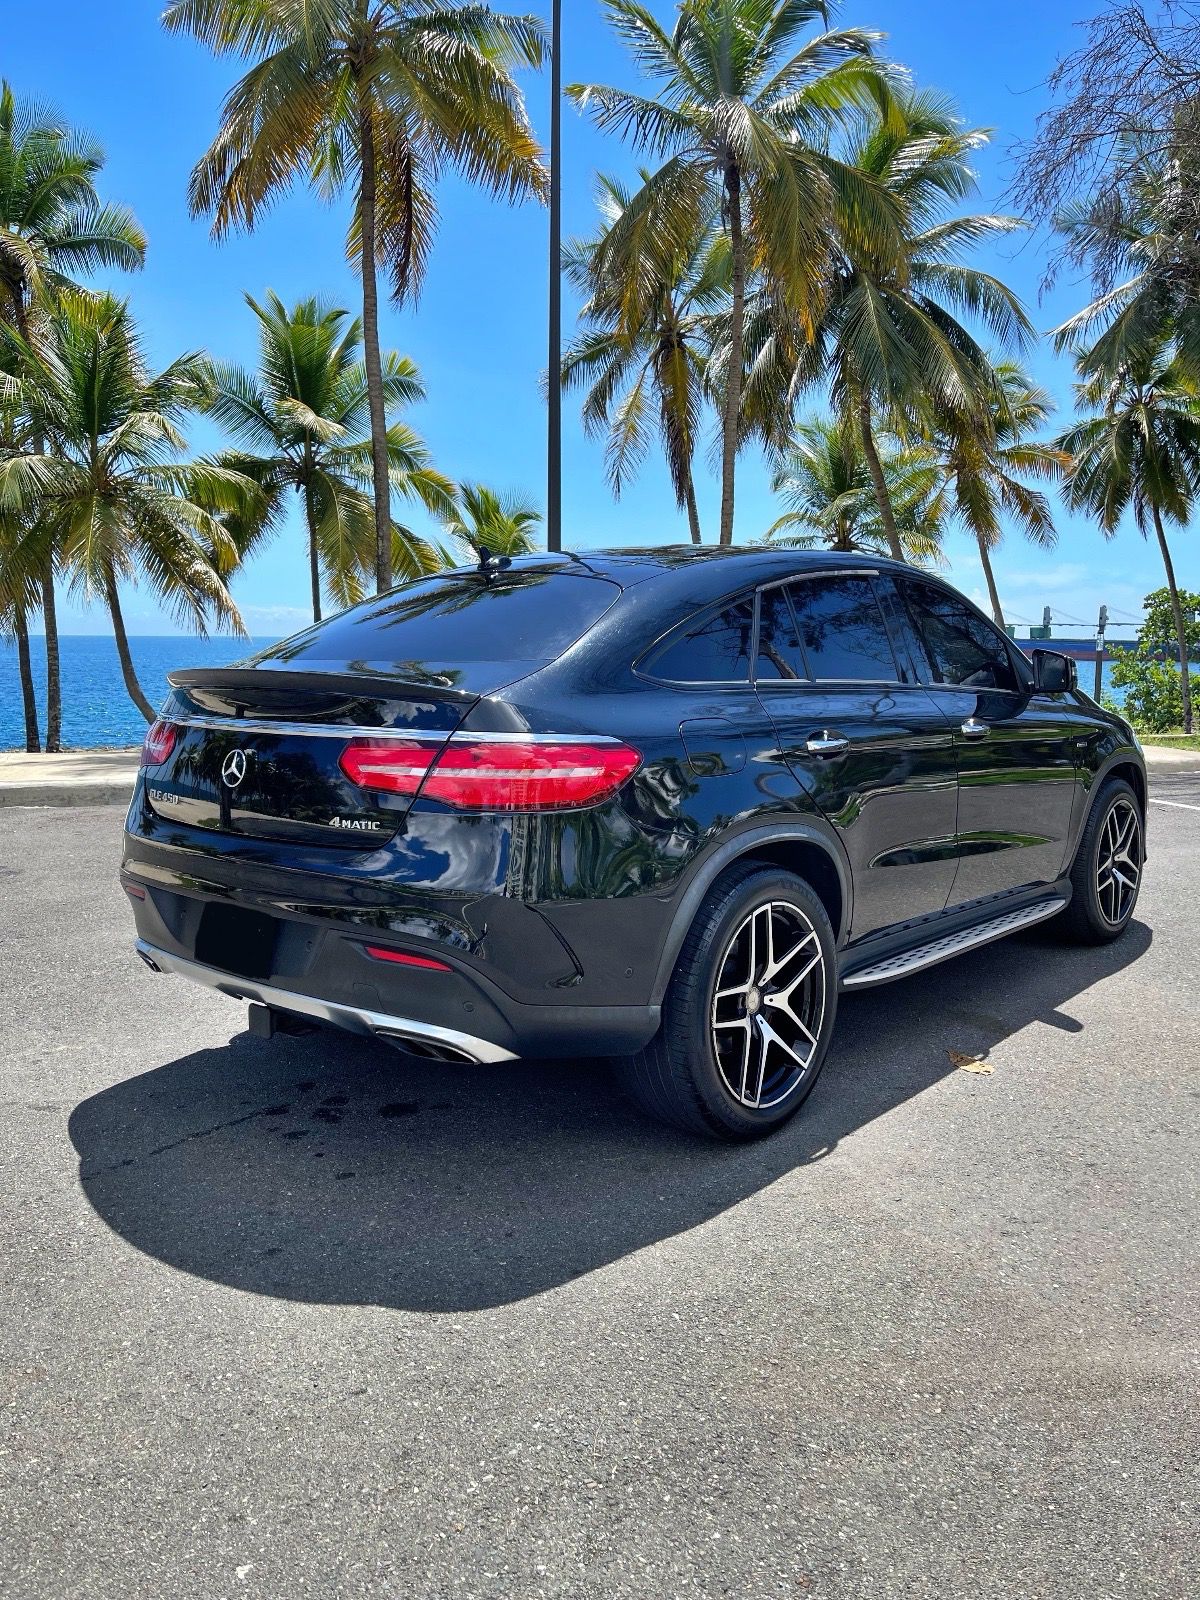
517 616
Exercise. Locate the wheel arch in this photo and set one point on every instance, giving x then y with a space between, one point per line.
803 848
1122 763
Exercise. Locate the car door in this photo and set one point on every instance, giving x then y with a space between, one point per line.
1016 747
857 729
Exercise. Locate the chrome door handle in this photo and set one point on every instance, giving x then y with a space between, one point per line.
826 744
972 728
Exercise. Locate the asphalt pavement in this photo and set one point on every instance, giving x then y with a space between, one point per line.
310 1318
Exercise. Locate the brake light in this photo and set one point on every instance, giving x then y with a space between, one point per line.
160 741
482 773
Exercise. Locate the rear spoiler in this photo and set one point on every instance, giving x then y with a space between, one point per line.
251 685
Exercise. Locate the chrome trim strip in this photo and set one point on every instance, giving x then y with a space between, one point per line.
376 1023
348 731
906 962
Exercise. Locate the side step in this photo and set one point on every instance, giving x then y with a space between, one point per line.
905 962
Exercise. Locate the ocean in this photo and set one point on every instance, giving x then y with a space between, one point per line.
97 710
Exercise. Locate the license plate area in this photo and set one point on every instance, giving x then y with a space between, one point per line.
236 940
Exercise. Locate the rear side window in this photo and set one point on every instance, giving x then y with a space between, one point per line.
842 630
715 649
779 652
513 616
963 649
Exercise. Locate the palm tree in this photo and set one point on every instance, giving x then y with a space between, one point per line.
984 458
825 482
1140 450
892 333
743 118
300 422
108 485
380 95
19 589
643 350
891 339
1140 244
501 524
52 225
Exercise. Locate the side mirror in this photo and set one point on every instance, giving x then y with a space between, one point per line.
1054 673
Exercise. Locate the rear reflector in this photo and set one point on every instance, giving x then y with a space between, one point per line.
160 741
478 773
404 960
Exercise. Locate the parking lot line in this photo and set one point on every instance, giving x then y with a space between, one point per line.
1180 805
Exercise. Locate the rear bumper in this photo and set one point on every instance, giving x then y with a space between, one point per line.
321 969
450 1043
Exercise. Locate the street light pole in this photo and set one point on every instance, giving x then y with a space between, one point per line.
554 420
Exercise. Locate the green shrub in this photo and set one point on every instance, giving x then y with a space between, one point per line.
1150 674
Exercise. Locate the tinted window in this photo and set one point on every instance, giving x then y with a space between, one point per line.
514 616
843 631
779 653
714 650
963 648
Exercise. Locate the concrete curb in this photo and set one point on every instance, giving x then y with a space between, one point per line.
74 778
74 794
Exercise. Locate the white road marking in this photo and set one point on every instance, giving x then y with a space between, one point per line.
1179 805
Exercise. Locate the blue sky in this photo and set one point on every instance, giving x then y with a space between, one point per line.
478 332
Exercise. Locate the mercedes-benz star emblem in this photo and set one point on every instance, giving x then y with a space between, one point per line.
233 768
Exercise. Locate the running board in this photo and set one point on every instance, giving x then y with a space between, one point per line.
906 962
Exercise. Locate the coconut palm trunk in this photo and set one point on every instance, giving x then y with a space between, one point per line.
737 337
371 357
1185 680
53 661
692 509
310 519
49 608
134 688
33 740
985 562
887 514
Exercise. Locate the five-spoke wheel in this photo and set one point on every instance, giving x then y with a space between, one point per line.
768 1005
1107 871
749 1012
1119 861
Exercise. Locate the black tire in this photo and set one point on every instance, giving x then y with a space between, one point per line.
682 1077
1090 919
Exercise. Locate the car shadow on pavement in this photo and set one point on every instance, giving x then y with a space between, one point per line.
330 1169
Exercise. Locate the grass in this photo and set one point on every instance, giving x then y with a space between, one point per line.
1172 741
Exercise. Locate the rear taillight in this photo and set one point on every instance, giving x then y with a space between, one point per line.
494 774
160 741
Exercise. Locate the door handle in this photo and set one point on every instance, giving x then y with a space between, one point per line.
972 728
826 744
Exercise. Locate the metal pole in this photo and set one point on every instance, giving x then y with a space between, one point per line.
554 421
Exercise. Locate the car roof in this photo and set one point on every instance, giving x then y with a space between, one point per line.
717 569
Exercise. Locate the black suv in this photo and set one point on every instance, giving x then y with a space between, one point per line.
656 804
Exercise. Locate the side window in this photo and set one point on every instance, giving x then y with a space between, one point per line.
714 650
779 652
842 630
963 649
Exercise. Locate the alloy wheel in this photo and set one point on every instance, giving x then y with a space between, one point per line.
1119 862
768 1005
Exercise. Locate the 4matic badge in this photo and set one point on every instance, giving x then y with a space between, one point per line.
356 824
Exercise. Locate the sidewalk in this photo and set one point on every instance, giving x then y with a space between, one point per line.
76 778
106 777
